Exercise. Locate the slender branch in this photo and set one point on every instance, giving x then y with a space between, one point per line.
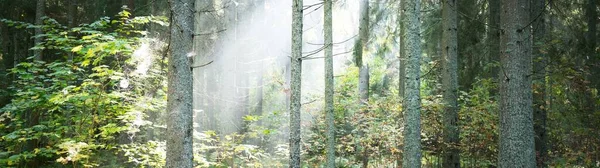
209 33
310 6
199 66
335 43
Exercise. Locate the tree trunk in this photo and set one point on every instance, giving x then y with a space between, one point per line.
296 79
401 68
130 5
450 83
594 57
539 101
363 75
180 85
493 38
71 12
328 31
516 124
412 100
39 14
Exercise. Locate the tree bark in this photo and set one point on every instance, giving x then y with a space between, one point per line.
296 83
328 33
180 85
516 115
402 52
401 67
39 14
450 83
412 100
363 74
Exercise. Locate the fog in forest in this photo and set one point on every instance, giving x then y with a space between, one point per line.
254 52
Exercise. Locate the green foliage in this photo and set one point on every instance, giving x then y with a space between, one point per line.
77 111
478 121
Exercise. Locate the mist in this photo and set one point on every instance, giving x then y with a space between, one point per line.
253 51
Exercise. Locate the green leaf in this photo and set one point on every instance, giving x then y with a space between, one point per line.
77 49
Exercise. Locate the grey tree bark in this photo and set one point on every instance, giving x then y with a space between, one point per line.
39 14
402 54
450 83
180 85
402 66
516 113
412 101
328 33
296 83
539 83
363 75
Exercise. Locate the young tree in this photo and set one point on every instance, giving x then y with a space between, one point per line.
296 83
450 83
412 100
329 83
179 98
516 124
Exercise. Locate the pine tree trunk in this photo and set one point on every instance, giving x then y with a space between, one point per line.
450 83
401 68
363 75
180 85
539 65
412 100
295 82
516 124
328 33
39 14
493 38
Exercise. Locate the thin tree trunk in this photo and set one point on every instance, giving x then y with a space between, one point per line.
180 85
594 58
296 79
450 83
363 75
71 12
15 43
328 31
539 67
516 125
412 100
401 53
39 14
493 37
